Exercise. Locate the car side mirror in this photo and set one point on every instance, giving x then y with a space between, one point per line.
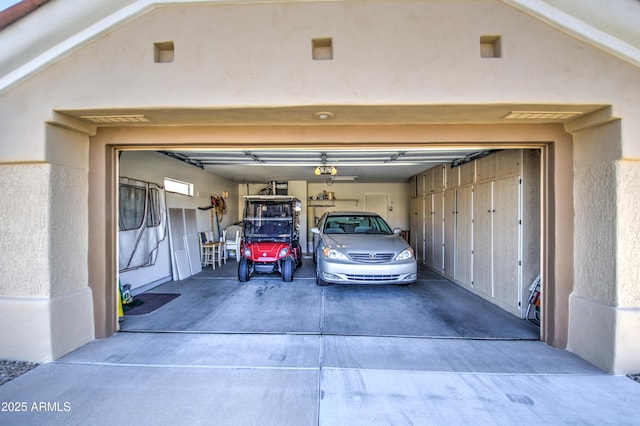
397 231
315 230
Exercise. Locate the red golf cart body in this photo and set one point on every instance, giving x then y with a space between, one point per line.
270 238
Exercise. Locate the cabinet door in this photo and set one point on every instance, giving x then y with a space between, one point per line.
464 246
417 227
413 186
429 225
483 239
438 231
449 219
506 243
438 178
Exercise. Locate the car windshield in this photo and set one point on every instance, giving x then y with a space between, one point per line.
356 224
268 220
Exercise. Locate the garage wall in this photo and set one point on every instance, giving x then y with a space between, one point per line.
351 196
153 167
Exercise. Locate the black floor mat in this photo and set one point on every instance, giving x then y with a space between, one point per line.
148 302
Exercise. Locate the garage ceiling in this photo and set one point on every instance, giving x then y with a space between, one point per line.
250 166
245 165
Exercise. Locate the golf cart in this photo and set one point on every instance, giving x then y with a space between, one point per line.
270 240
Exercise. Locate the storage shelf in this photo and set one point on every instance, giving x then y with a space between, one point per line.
331 203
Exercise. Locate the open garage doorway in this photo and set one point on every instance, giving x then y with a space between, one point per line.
441 303
556 188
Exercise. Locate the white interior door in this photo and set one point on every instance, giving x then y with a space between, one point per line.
377 203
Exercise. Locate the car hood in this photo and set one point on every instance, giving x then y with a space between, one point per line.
366 242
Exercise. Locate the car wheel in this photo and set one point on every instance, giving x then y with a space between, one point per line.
243 270
320 281
287 269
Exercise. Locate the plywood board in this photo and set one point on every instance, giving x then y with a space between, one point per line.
176 220
182 264
190 221
193 253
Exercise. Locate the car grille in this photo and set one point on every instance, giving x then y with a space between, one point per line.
365 277
371 257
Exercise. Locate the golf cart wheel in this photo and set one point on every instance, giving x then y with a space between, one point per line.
320 281
287 269
243 270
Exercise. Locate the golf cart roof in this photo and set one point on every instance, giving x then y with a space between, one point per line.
270 197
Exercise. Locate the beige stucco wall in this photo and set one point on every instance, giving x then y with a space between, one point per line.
605 301
44 293
385 53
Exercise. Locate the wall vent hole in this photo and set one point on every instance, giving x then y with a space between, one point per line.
322 49
490 46
163 52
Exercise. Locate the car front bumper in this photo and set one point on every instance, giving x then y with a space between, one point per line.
341 272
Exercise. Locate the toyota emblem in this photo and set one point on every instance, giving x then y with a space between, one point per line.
372 255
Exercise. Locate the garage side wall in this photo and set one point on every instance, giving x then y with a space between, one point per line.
604 319
44 252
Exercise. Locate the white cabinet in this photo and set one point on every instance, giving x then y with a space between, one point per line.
429 229
496 236
464 236
506 243
449 232
417 224
483 231
483 239
437 257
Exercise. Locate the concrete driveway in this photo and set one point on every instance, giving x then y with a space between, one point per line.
274 353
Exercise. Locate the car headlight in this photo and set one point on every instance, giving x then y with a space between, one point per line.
331 253
405 254
284 251
247 252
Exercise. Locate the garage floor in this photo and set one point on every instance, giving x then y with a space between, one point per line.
214 301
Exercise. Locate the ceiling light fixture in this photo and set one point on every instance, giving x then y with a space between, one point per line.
328 173
323 115
325 171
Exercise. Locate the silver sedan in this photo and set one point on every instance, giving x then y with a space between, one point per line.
360 248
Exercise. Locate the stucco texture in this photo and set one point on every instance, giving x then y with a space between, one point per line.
44 230
628 234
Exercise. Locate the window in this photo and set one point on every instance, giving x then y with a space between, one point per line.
132 200
179 187
153 211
